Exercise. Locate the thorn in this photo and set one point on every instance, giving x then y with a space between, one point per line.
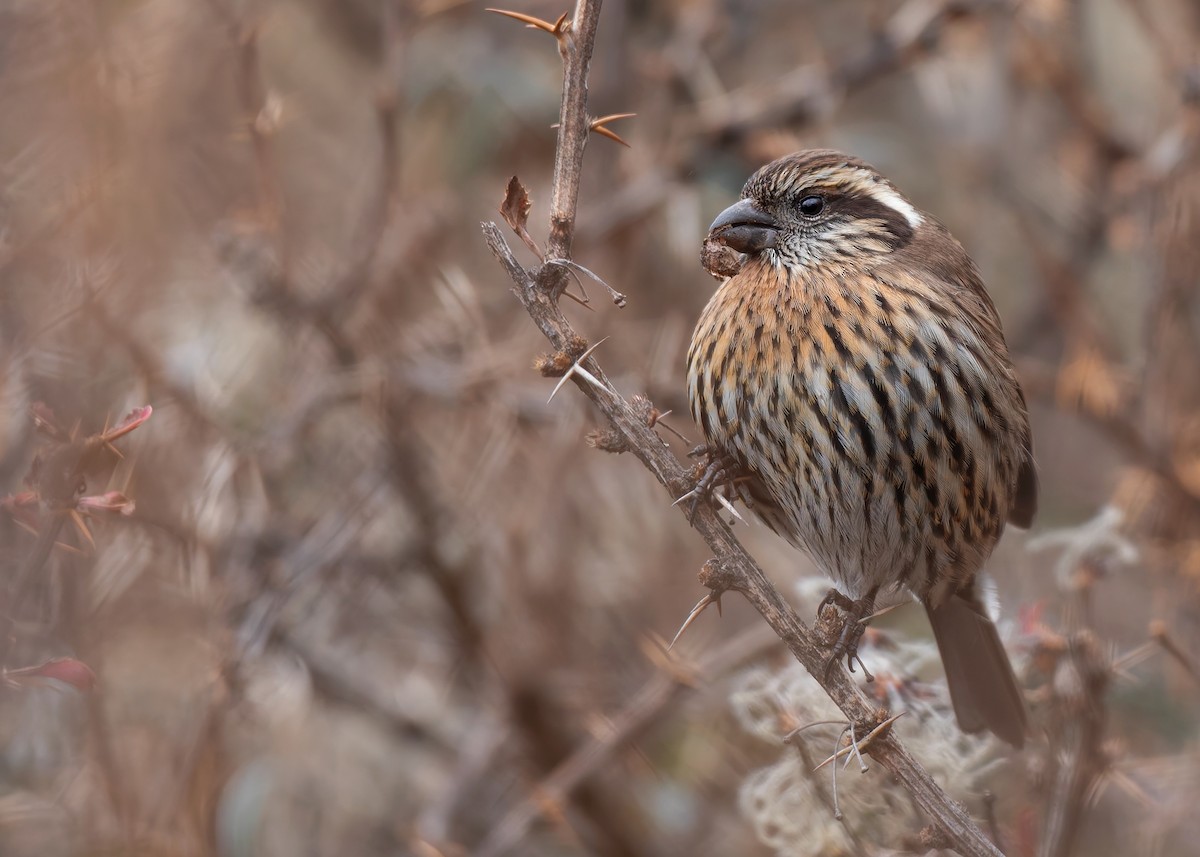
1096 789
612 135
837 755
1162 635
577 369
589 377
598 125
81 525
729 506
1134 656
865 619
657 418
684 497
703 604
556 29
881 729
865 742
1130 787
34 531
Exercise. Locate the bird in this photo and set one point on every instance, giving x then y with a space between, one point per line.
851 379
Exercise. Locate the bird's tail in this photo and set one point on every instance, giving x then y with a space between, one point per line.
982 685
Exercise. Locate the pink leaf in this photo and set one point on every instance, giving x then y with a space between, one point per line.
131 421
66 670
112 501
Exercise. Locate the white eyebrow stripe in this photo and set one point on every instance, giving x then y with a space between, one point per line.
863 181
885 195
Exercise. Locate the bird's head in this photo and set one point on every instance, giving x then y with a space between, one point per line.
815 208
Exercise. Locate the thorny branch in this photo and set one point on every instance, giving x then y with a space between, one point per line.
575 45
734 568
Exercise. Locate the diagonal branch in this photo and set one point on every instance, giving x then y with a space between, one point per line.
736 569
733 567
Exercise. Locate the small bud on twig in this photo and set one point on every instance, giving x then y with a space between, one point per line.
553 365
606 440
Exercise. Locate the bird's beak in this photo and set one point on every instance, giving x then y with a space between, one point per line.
745 227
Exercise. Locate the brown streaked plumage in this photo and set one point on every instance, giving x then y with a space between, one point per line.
855 371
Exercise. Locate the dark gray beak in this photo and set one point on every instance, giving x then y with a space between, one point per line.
745 227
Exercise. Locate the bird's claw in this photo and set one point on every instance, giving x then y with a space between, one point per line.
852 629
720 470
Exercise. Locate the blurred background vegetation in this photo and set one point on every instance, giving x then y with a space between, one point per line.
377 596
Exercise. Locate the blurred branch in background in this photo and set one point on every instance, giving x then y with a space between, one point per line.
375 595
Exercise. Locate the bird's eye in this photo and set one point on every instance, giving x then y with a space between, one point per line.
811 206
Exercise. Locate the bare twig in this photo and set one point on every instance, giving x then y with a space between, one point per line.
576 48
641 711
734 567
1082 730
811 92
1162 636
341 300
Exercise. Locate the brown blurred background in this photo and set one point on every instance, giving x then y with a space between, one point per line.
377 596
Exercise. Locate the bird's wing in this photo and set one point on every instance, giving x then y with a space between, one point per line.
950 265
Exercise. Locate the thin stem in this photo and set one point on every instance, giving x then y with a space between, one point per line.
576 48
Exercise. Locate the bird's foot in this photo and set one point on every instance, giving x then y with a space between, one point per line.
852 628
715 470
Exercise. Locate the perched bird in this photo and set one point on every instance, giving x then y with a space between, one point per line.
851 373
